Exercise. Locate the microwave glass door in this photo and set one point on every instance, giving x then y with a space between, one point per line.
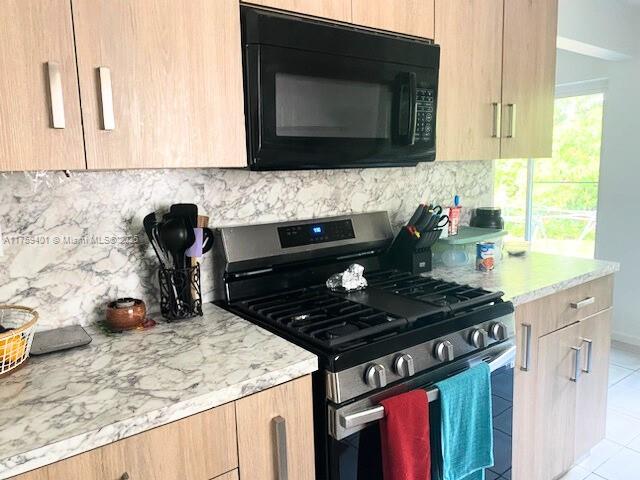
318 110
317 107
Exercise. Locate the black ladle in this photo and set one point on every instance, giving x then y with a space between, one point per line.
176 238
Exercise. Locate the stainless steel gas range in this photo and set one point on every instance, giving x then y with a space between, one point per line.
400 333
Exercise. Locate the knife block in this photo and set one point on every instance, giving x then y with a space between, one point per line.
410 254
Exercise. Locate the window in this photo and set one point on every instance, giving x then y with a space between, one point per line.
552 202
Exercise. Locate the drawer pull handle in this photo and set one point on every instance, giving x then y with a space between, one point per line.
583 303
57 98
280 425
576 363
125 476
526 347
588 367
497 120
106 99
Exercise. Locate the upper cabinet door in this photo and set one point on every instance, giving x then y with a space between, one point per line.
161 83
339 10
528 77
411 17
40 127
470 36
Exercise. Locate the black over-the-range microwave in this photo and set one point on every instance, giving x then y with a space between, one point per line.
322 95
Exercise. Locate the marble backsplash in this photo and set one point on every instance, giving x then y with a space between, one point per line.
70 244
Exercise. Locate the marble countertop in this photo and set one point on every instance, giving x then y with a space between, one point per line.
66 403
533 276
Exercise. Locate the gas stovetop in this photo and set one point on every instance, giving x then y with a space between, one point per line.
275 274
394 303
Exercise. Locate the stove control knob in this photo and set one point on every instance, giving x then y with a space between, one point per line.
376 376
444 351
403 365
498 331
479 338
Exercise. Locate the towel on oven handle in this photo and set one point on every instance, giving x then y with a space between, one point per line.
404 433
466 424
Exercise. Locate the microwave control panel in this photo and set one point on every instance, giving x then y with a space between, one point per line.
312 233
425 114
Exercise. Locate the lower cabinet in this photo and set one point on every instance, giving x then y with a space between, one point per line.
269 431
560 397
277 424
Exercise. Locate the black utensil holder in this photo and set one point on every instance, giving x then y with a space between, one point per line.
180 293
411 254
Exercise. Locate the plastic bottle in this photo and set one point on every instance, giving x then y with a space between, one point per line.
454 216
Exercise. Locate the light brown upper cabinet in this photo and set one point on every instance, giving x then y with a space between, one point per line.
470 36
339 10
528 77
411 17
40 125
161 83
497 77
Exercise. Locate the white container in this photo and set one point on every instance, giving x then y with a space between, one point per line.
460 250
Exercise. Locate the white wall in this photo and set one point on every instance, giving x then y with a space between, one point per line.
573 67
618 231
612 26
602 28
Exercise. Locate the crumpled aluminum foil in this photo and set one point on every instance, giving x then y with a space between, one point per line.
348 281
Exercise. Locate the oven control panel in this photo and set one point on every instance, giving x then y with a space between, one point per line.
317 232
425 114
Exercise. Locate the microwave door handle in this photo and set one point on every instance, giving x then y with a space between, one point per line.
407 114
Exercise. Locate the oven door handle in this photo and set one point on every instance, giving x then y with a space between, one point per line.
372 414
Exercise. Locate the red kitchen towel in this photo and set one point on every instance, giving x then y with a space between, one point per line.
404 430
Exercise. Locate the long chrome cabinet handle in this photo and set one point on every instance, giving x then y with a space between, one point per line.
526 347
589 362
497 120
106 98
512 120
583 303
280 425
56 95
576 363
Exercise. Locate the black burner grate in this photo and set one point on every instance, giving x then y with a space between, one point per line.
333 321
322 317
432 291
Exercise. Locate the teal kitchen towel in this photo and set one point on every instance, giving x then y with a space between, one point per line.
466 424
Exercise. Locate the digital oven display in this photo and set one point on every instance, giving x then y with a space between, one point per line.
312 233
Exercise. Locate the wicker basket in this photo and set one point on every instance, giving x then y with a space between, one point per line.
15 344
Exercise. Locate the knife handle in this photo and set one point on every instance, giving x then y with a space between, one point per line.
416 215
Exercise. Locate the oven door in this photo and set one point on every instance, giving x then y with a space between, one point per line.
354 440
309 109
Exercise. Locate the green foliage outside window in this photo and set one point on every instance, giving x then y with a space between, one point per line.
565 187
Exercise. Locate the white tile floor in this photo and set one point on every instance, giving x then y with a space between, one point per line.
618 456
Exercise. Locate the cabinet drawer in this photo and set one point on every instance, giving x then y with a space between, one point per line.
569 306
200 447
